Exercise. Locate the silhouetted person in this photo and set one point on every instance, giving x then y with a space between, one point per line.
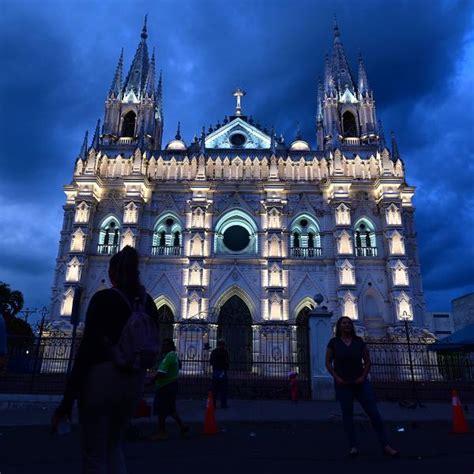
220 362
106 393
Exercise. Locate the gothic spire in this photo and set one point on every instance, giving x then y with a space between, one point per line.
150 80
319 105
395 152
116 87
363 82
178 132
83 152
202 145
95 140
328 79
382 142
340 67
159 95
138 73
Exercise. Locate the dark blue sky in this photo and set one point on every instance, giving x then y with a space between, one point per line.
58 59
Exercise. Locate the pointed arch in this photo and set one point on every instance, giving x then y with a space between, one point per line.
164 300
349 124
305 239
109 235
306 302
371 306
167 235
166 317
364 237
129 120
235 290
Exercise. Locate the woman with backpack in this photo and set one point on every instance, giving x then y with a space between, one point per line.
108 374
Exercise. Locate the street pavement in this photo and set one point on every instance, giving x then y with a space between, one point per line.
285 445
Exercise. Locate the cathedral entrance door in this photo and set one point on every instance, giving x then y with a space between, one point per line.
234 326
302 336
166 321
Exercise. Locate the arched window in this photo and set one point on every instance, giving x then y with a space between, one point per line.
176 239
305 240
167 236
109 236
364 237
349 124
296 240
128 124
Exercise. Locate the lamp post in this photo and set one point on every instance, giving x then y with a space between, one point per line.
406 317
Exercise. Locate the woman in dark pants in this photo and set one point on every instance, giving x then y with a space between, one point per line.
348 361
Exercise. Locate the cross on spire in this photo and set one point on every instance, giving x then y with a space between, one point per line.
238 93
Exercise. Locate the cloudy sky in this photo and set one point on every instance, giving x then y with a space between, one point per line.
58 58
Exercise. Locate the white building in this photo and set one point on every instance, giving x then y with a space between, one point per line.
241 222
440 323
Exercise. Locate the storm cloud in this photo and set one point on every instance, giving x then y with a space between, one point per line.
58 59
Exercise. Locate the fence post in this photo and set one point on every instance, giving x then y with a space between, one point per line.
74 321
37 351
320 331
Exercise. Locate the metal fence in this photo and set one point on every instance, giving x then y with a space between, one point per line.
411 371
261 357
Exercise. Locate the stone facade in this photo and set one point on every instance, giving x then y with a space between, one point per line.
241 212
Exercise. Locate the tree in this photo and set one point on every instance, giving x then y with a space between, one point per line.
11 303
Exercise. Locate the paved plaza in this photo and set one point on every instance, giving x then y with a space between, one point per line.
254 437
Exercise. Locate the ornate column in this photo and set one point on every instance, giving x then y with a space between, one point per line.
320 332
196 275
275 250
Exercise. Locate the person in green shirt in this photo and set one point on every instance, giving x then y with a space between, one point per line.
166 383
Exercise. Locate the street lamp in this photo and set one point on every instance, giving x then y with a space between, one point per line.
406 317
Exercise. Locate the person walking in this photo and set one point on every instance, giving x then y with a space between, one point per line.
166 380
106 386
348 361
220 362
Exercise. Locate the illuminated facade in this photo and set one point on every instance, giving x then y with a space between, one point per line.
240 212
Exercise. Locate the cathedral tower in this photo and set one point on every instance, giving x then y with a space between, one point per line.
133 109
346 108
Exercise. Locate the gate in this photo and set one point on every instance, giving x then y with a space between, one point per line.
261 357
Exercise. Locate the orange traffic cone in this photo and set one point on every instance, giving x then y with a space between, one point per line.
210 425
459 421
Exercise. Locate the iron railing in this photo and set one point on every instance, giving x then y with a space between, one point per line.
165 250
366 251
404 370
303 252
261 357
108 249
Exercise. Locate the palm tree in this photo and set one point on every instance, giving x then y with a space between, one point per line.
11 302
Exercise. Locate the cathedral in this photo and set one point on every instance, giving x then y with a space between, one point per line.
241 222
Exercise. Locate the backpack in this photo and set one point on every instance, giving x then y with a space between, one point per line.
138 346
